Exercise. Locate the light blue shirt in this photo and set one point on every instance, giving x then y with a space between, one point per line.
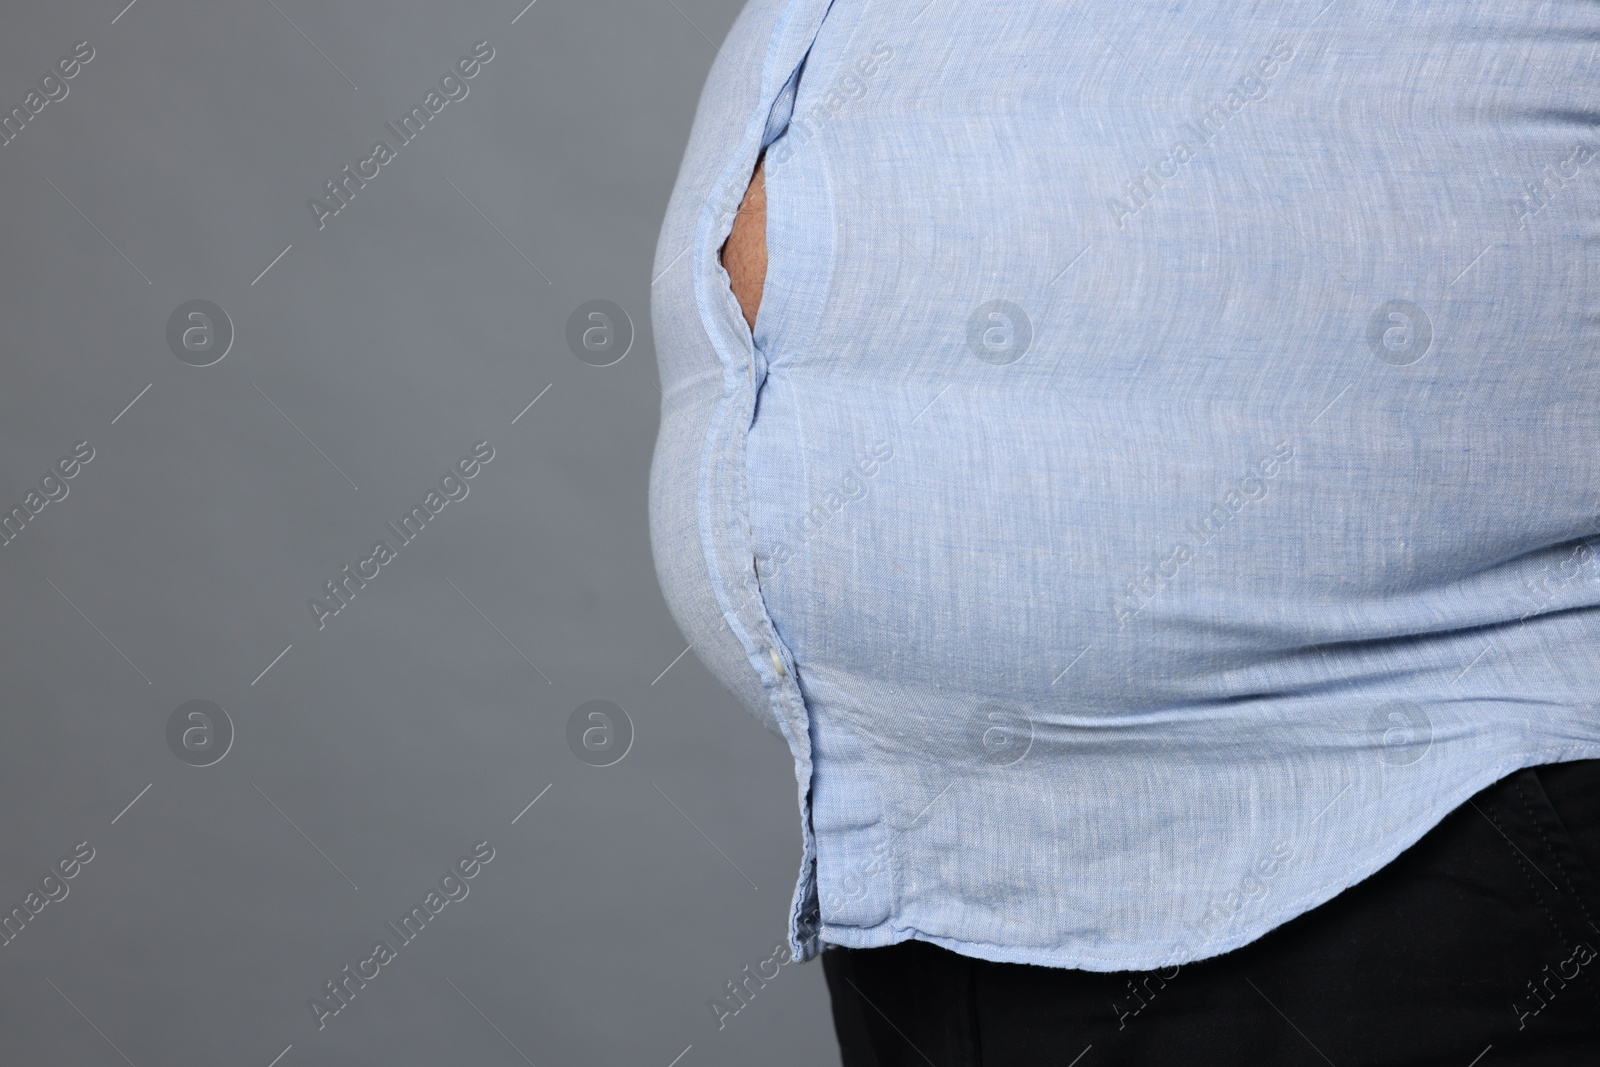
1162 482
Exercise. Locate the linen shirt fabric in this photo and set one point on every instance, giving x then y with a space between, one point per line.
1161 482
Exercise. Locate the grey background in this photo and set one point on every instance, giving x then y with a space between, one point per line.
369 358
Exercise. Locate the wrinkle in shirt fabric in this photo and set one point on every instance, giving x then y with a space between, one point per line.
1161 482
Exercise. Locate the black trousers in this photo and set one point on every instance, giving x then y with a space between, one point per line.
1477 947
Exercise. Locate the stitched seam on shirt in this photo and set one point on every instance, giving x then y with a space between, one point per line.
802 913
729 394
1296 906
713 450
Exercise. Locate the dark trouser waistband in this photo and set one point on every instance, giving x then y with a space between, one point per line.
1476 946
